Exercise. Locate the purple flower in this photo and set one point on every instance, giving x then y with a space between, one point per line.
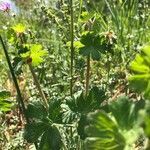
5 6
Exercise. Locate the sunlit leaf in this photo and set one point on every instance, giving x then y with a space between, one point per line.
19 28
4 95
36 53
145 119
85 16
103 133
5 104
125 112
140 66
117 130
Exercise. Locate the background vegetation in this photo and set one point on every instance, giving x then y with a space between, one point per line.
75 75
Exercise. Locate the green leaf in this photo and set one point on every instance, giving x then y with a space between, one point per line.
92 45
140 66
33 131
4 95
85 16
78 44
118 132
5 104
83 105
145 52
19 28
36 110
81 125
36 53
147 125
17 65
145 119
55 111
51 140
125 112
11 36
131 136
41 121
103 133
78 107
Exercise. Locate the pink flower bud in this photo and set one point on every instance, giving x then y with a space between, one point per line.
5 6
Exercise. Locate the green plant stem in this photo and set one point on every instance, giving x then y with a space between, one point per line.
19 99
36 81
72 46
38 86
80 9
108 71
87 76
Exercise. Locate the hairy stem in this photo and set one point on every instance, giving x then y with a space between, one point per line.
72 46
38 86
87 76
19 99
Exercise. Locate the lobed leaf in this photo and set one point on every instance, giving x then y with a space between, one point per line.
140 80
36 53
92 45
36 110
19 28
125 112
51 140
103 133
33 131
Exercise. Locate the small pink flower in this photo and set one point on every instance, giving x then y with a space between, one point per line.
5 6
